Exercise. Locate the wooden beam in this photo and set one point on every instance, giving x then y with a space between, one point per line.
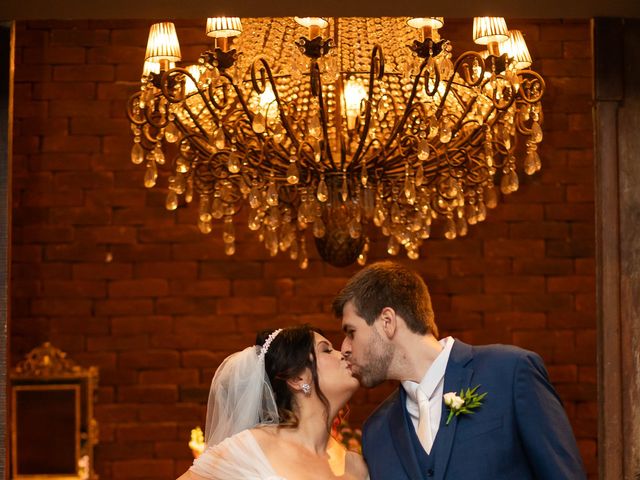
6 134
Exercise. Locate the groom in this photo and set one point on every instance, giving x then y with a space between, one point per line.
511 427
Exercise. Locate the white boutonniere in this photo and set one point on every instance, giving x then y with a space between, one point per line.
464 403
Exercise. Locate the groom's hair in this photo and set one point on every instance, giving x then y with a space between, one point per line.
388 284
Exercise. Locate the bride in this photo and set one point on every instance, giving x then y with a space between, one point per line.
270 411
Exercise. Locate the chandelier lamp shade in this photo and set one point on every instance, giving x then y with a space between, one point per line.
326 129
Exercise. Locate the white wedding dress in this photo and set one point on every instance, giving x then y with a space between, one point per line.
237 457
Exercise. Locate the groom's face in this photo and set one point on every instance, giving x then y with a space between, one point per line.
365 348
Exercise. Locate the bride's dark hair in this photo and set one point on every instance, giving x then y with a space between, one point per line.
290 353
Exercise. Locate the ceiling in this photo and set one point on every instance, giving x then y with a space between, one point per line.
112 9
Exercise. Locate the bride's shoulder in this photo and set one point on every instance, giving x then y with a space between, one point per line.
355 465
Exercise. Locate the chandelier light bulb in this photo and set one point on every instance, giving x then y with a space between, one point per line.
516 48
162 45
354 94
428 25
490 31
314 24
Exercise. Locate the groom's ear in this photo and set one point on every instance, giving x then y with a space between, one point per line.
389 322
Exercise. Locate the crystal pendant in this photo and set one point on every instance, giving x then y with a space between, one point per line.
491 197
150 174
204 226
344 190
323 190
158 155
171 133
182 164
259 124
445 132
272 194
531 161
228 230
217 208
188 191
293 174
254 220
423 149
254 197
509 183
315 130
172 200
233 163
450 232
229 248
204 209
536 132
137 154
393 247
419 175
219 139
409 190
319 229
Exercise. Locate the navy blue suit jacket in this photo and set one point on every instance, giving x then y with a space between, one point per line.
520 432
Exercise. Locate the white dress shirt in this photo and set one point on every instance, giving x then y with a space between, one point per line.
432 384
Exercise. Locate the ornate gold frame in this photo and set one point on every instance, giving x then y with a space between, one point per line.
47 368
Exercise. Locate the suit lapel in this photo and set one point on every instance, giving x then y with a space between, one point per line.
401 436
457 376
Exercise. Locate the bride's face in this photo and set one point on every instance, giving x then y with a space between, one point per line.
334 376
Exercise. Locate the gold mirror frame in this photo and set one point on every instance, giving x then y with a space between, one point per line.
48 386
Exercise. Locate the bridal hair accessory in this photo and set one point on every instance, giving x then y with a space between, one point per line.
306 389
464 403
241 396
267 342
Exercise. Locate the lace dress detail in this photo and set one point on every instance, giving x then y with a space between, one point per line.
238 457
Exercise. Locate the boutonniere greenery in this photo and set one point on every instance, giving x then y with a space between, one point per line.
464 403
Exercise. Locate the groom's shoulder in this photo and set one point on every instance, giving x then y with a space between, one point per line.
504 354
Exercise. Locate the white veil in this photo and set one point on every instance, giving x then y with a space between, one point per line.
241 396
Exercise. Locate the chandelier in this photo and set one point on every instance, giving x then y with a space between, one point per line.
337 127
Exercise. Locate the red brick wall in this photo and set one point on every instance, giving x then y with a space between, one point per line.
105 273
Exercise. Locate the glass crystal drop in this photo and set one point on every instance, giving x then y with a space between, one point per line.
362 258
461 225
364 175
254 197
344 190
272 194
530 163
446 68
323 191
419 175
445 132
278 134
219 139
423 149
229 248
188 191
137 154
204 209
293 250
259 124
217 208
171 133
172 200
393 247
182 164
536 132
482 211
450 232
150 174
315 130
293 174
234 164
254 220
491 197
355 228
158 155
409 190
319 229
205 227
228 230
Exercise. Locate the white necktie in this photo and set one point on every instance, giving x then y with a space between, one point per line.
424 422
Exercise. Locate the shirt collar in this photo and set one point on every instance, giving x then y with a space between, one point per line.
434 374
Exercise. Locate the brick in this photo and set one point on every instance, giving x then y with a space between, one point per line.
79 108
58 307
571 284
99 126
539 230
79 37
138 288
73 73
140 253
201 359
513 284
514 248
573 248
106 234
111 344
64 91
515 320
46 234
74 288
132 325
169 270
124 306
178 376
69 198
558 320
240 305
180 412
149 359
543 266
81 215
59 161
542 302
481 302
201 288
230 270
117 54
53 55
116 197
75 252
71 144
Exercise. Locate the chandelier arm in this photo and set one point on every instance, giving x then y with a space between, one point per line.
398 126
376 72
316 83
536 81
461 62
131 107
512 97
259 87
194 119
436 83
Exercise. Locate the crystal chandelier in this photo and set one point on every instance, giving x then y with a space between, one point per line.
338 126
